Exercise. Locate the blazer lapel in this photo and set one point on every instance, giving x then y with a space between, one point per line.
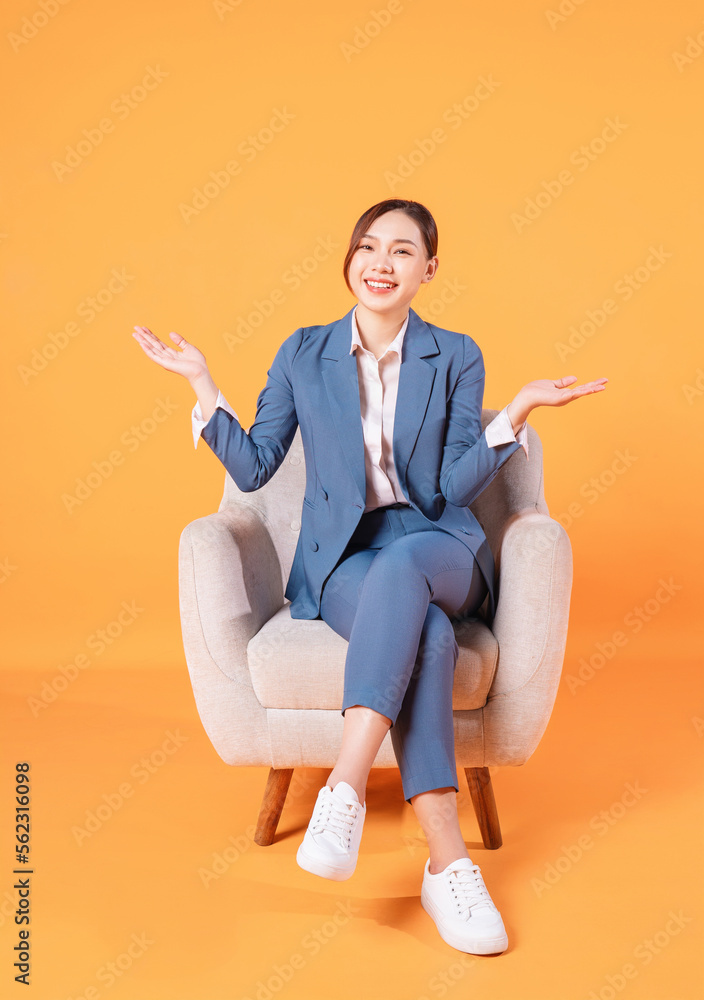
415 383
414 387
342 387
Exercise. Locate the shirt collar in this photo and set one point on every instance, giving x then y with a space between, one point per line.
395 345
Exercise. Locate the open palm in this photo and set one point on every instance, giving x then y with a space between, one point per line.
550 392
187 360
557 392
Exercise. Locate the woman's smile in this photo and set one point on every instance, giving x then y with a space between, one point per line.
380 287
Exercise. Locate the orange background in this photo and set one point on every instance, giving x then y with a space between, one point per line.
363 95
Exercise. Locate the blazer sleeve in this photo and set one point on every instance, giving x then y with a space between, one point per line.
252 458
469 463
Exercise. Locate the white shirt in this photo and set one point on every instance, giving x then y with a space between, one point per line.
378 389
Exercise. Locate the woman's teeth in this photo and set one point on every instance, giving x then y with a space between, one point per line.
380 284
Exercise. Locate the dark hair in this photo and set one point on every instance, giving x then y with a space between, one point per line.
413 209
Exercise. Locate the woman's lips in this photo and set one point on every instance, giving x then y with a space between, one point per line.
379 291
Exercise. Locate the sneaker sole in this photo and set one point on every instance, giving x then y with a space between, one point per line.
318 867
482 946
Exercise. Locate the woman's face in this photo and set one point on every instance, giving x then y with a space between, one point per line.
389 264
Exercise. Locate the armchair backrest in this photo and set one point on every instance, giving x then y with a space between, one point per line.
517 486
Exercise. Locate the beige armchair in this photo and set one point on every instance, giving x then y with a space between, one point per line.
268 688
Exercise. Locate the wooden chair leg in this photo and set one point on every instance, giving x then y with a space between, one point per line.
272 805
482 793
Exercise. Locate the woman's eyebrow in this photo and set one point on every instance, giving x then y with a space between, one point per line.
369 236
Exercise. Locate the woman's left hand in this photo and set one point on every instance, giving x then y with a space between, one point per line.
549 392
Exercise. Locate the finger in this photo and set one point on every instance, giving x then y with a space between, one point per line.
586 390
142 343
155 349
142 336
561 383
148 348
152 337
596 381
154 340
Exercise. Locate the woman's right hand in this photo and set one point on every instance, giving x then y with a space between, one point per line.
187 361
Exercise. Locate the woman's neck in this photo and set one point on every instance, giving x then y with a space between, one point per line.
377 331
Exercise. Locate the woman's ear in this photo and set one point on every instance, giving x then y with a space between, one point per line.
431 269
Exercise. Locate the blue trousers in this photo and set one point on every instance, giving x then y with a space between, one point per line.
393 595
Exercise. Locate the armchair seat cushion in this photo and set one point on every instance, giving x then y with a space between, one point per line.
300 663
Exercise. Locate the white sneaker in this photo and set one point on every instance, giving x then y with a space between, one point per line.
331 843
463 911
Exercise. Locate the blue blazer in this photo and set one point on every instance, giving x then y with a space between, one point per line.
442 458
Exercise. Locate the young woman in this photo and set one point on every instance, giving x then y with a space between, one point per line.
389 408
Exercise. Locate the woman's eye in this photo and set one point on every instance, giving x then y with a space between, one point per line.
365 246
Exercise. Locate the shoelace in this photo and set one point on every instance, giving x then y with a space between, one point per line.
467 886
336 817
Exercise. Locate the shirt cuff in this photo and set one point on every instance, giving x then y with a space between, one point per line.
500 431
197 421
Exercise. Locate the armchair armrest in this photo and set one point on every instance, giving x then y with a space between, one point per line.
530 625
230 583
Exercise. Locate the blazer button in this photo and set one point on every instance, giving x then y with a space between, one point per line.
314 546
325 496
